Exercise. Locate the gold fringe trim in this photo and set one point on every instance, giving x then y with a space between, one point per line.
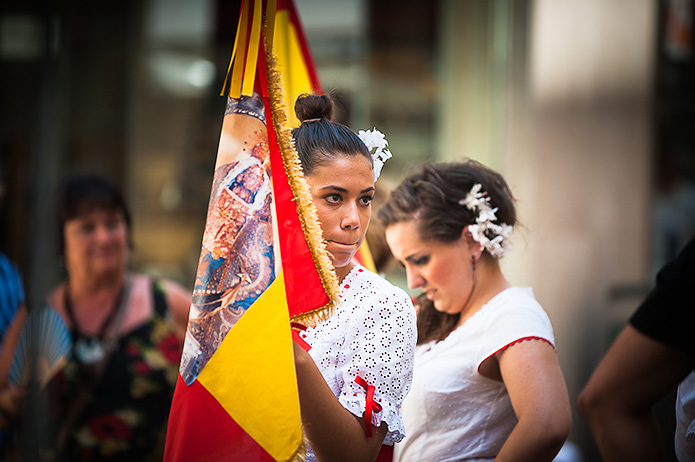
306 209
300 454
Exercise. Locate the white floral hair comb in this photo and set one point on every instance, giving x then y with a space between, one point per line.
492 236
376 144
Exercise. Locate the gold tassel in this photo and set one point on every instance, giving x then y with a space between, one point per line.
254 42
300 454
242 64
301 192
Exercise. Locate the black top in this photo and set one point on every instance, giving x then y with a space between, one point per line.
668 313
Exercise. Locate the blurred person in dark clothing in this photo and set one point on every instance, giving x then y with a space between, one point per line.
650 358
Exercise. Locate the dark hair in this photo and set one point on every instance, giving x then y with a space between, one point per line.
430 194
318 139
81 194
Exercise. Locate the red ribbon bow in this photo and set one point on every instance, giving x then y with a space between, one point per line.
370 405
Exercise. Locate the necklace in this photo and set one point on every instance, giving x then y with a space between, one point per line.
88 349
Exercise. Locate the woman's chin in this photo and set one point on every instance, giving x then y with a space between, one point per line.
446 309
111 269
341 260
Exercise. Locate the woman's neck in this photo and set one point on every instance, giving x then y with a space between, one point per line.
489 281
87 285
91 306
344 271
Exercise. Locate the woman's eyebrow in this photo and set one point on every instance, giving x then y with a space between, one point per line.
410 258
334 188
343 190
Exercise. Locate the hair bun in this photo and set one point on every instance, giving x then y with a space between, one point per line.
314 106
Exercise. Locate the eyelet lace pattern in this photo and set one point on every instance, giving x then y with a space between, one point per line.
371 333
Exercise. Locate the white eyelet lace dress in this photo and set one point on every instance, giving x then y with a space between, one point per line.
371 334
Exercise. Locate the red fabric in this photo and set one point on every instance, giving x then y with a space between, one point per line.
385 454
197 425
370 405
302 282
296 327
300 341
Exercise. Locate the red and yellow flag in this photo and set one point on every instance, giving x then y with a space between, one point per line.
262 260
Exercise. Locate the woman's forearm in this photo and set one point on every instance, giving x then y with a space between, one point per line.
334 433
534 441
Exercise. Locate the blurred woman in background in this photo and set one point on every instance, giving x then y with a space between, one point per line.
111 399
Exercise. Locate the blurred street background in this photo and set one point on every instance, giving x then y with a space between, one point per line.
586 107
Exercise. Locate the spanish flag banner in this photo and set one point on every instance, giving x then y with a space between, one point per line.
262 262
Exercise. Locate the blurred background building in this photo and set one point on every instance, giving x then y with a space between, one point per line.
588 109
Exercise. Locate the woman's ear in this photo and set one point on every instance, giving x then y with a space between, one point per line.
473 245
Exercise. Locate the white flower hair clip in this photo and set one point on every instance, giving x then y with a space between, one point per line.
492 236
376 144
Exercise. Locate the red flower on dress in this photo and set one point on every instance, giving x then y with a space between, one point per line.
109 427
141 367
132 350
170 347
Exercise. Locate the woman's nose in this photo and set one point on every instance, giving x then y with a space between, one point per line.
414 278
351 219
103 233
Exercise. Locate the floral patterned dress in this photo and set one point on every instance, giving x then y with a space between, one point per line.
125 416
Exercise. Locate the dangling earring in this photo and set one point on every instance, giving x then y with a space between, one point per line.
473 262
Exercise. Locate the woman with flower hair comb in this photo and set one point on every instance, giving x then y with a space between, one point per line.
354 368
487 384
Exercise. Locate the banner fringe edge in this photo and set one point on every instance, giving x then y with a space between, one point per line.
307 213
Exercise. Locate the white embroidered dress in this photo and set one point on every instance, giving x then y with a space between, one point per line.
371 334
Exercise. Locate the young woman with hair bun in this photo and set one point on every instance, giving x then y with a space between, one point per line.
487 384
356 367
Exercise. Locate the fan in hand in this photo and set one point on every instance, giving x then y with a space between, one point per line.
42 348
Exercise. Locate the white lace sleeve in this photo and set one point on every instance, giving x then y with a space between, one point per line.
371 334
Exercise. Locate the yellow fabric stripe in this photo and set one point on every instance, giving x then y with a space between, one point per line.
366 256
291 64
242 50
253 369
234 52
252 56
